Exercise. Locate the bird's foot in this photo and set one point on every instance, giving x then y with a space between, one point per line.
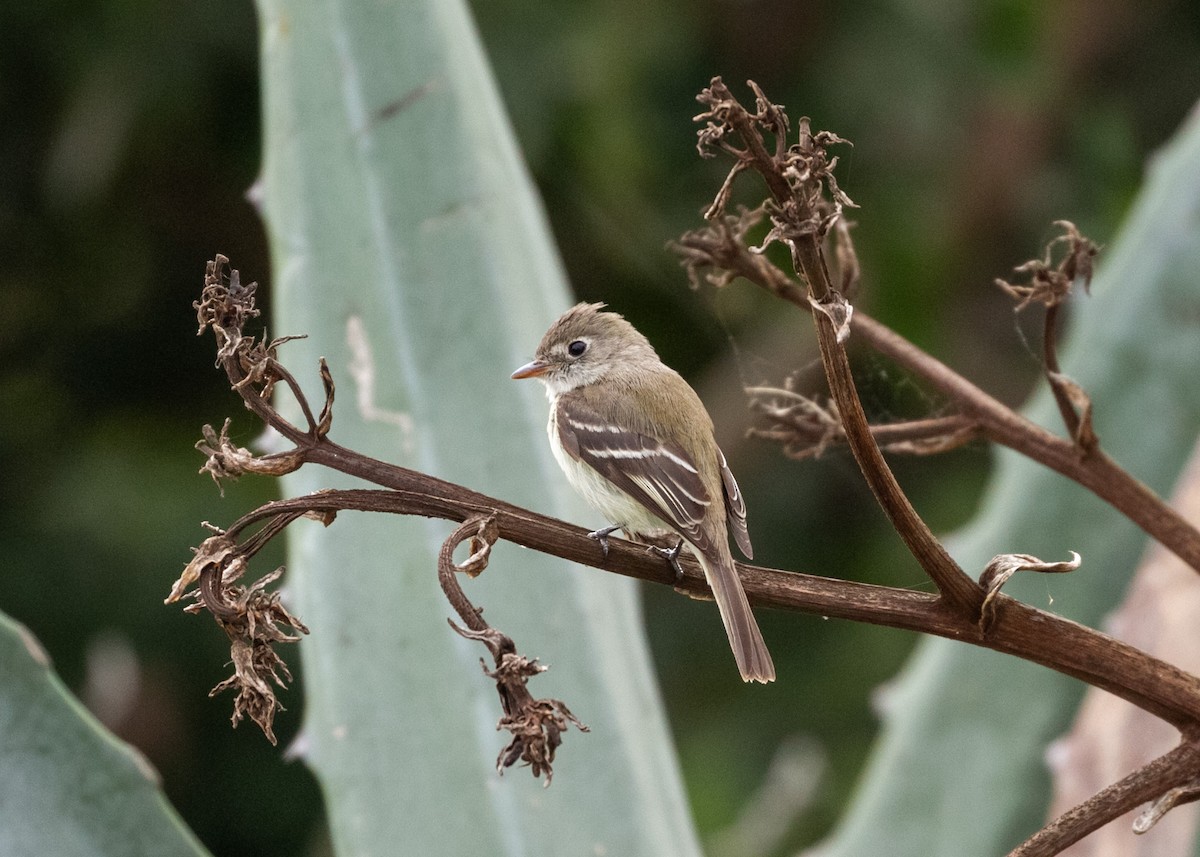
602 535
671 555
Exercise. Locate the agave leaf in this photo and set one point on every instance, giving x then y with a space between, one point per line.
69 787
407 242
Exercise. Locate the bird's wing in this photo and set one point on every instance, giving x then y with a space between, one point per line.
735 508
659 475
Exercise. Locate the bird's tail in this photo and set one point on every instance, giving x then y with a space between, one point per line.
749 650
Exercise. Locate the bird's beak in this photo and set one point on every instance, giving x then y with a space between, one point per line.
531 370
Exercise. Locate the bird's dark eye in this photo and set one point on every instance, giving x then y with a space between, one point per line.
576 348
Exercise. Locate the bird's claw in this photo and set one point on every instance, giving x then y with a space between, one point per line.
671 555
602 535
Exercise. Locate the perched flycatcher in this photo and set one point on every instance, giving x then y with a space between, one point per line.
634 439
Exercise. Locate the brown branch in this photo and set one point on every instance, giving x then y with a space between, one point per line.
1168 771
1017 629
952 582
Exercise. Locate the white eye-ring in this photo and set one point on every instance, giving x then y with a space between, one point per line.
576 348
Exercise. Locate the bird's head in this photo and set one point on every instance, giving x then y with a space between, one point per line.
585 345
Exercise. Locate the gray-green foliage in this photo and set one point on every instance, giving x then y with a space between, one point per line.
68 787
960 766
408 244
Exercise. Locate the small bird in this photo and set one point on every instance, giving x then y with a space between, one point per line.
635 440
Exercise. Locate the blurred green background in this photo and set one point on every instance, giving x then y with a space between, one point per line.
129 139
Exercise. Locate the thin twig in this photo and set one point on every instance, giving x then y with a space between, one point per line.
1146 783
1050 360
481 531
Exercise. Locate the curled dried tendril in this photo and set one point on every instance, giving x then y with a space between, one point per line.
536 725
1004 566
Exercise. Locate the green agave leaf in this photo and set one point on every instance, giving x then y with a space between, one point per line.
69 787
407 242
960 766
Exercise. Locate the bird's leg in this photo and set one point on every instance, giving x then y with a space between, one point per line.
671 555
602 535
